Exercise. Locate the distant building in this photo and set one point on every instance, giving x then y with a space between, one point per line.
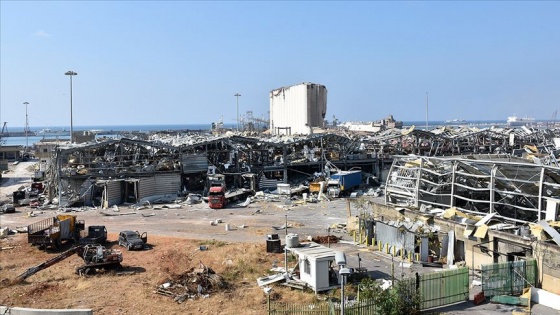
298 108
10 152
84 136
391 123
44 148
375 126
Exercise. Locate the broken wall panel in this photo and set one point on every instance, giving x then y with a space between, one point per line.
167 183
194 163
146 187
112 194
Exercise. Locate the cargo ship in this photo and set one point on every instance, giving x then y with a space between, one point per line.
520 121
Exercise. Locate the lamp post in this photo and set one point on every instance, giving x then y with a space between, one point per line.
237 95
26 127
427 111
340 259
71 74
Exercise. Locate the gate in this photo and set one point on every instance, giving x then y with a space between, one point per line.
443 288
508 278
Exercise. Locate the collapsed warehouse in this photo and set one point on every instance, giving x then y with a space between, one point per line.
474 210
126 171
445 141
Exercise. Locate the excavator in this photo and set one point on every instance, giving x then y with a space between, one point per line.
95 257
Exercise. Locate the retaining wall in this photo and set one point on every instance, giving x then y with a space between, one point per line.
37 311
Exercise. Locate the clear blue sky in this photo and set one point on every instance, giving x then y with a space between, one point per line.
181 62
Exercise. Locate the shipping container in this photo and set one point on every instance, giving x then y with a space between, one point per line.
348 179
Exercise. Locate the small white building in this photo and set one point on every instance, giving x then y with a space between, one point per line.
315 261
297 109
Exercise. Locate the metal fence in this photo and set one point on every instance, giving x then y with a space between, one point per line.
355 307
508 278
435 289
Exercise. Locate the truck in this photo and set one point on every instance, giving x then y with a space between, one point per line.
97 234
94 256
219 196
51 232
343 181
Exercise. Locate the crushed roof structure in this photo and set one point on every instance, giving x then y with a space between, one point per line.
513 189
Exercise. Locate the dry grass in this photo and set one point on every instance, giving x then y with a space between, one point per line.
240 264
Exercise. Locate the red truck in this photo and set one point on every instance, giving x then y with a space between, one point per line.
217 197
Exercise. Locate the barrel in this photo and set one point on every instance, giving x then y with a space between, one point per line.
292 240
273 246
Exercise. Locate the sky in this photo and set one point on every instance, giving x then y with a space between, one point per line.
182 62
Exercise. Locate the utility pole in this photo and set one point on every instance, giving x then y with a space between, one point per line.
237 95
285 245
427 111
26 127
71 74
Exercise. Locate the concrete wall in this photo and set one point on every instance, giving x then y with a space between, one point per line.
547 254
37 311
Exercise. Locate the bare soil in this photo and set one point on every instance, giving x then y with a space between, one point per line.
109 293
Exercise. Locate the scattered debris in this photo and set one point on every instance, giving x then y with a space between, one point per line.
197 282
116 214
326 239
281 227
4 232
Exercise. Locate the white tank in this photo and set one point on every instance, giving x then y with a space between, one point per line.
292 240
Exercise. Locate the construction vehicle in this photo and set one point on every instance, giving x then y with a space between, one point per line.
97 234
53 231
219 196
95 257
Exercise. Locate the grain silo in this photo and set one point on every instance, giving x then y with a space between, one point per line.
298 108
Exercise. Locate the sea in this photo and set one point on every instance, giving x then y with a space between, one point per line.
62 132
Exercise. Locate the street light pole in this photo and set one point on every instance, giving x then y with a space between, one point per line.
26 127
71 74
427 111
237 95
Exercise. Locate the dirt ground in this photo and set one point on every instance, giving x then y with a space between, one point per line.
109 293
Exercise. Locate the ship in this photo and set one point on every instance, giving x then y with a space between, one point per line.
455 121
520 121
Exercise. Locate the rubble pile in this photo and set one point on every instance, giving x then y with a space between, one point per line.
197 282
326 239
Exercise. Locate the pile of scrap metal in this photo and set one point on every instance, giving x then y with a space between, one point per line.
448 140
197 282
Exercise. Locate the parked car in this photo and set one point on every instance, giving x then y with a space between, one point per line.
133 239
8 208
